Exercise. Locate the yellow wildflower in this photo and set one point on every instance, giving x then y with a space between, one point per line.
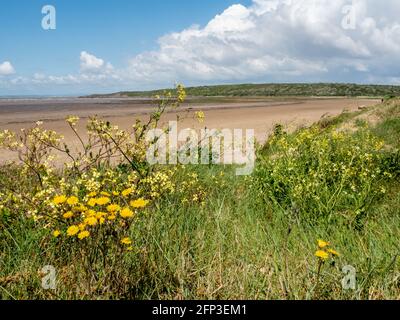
56 233
59 200
100 215
92 202
127 192
81 208
83 235
72 120
68 215
72 231
200 116
72 201
127 241
92 194
322 244
103 201
181 93
126 213
91 221
333 252
323 255
140 203
113 208
106 194
90 213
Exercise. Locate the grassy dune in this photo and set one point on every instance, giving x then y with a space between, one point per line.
207 234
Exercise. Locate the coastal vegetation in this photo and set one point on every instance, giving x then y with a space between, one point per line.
279 90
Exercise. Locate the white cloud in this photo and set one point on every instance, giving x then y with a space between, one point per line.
280 40
234 19
6 68
90 63
93 72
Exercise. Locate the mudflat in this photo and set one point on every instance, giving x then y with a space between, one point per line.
260 114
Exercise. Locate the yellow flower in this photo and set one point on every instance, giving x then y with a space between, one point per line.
72 201
92 194
181 93
103 201
200 116
113 208
112 217
127 192
68 215
82 227
90 213
140 203
83 235
100 215
106 194
323 255
59 200
91 221
92 202
81 208
72 120
56 233
115 193
126 241
333 252
72 231
126 213
322 244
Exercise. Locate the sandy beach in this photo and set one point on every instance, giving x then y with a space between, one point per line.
260 114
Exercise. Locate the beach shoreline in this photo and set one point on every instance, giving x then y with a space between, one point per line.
260 114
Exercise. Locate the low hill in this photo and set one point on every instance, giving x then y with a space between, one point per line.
316 89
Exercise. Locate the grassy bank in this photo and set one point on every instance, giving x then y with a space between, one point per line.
208 234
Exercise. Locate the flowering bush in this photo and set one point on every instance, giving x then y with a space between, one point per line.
316 173
89 205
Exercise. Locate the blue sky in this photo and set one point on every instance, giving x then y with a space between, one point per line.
114 30
103 46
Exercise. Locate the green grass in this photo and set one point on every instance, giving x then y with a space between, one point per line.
241 244
389 126
231 250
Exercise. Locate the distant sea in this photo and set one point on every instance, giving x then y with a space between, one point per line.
34 97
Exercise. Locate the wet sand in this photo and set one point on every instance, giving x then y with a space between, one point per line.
260 114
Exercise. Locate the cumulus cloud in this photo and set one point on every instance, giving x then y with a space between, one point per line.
278 40
90 63
6 68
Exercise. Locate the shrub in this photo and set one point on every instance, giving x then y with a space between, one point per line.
316 174
87 207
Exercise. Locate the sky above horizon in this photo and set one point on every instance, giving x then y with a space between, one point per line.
101 46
